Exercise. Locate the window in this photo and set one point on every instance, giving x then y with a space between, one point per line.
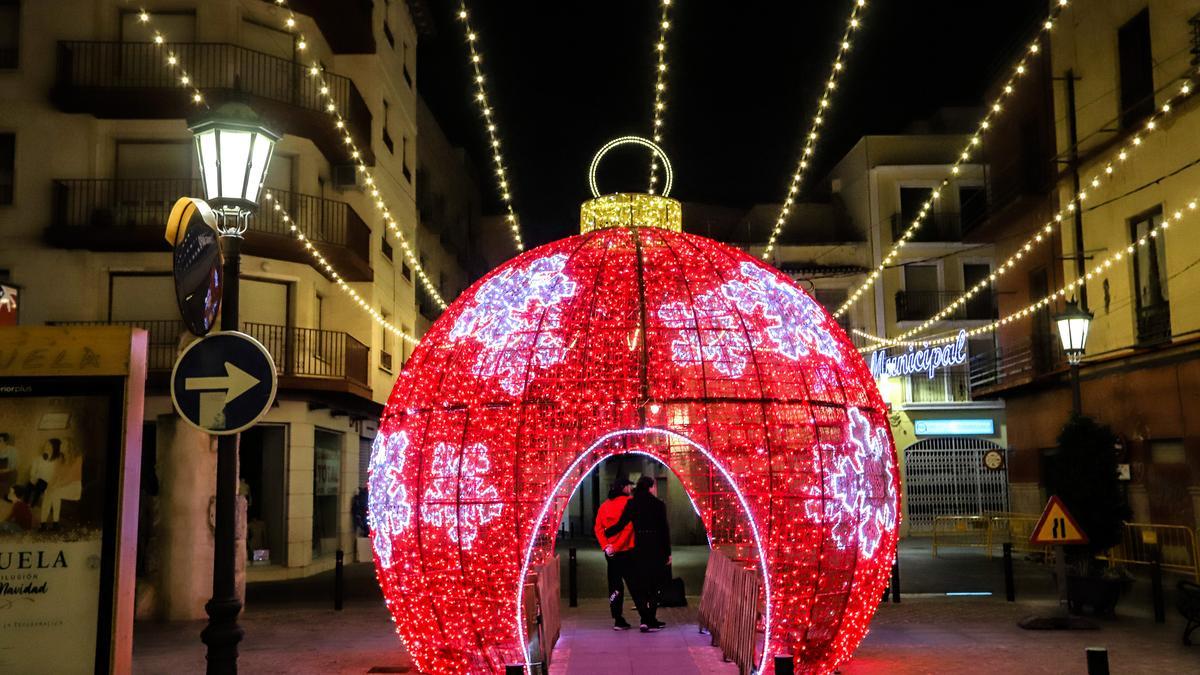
387 137
408 79
1150 280
385 247
385 350
972 204
406 272
404 161
1136 70
921 297
8 167
327 481
981 305
911 201
10 33
387 33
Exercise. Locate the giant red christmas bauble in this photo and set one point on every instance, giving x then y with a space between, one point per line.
632 340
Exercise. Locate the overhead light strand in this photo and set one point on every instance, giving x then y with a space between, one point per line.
658 114
994 110
503 182
824 103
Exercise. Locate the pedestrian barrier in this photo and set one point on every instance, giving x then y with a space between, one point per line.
960 532
1012 528
1173 546
542 619
729 609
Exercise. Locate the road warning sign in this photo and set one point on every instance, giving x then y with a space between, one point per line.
1057 527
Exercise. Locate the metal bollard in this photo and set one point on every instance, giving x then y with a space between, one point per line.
1010 587
573 578
896 580
339 580
785 665
1097 660
1156 587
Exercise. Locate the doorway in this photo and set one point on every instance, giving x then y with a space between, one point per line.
947 477
263 471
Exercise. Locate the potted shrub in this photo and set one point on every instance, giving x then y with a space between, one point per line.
1083 474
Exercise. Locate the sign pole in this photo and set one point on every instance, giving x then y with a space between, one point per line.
223 633
1060 571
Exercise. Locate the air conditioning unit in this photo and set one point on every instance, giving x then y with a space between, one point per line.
347 177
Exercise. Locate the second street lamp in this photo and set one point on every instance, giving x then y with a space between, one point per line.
1073 324
234 149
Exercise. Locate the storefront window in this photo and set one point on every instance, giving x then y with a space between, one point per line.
327 473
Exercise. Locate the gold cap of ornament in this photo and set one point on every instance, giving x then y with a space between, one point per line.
630 209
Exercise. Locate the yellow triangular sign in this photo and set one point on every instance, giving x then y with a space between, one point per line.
1057 526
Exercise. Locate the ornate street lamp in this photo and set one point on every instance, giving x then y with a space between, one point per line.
234 149
1073 327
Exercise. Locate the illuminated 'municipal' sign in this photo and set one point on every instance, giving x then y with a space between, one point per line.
925 360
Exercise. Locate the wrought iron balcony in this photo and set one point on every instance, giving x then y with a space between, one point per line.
1154 323
128 80
920 305
1015 364
306 358
115 214
938 226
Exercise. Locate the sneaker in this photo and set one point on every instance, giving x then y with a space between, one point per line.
621 624
651 628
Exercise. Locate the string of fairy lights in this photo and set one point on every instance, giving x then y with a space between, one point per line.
1061 293
660 88
184 80
503 182
810 139
994 110
1042 234
292 24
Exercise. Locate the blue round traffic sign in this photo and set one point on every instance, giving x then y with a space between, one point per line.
223 383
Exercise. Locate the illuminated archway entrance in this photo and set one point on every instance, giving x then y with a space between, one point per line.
705 481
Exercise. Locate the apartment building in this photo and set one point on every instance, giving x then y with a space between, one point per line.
94 149
1115 64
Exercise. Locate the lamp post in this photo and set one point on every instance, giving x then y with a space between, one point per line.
1073 326
234 149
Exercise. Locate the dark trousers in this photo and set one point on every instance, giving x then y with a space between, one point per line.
619 565
643 585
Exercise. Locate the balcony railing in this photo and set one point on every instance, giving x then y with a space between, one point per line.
1154 323
309 352
935 227
920 305
1016 363
130 80
129 214
298 352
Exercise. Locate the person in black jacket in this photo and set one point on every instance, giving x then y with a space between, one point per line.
651 550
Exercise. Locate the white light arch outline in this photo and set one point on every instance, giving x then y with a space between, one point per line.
668 173
762 559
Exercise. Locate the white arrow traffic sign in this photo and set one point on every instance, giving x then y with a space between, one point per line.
212 403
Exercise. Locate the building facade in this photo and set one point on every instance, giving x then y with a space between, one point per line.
1115 65
94 150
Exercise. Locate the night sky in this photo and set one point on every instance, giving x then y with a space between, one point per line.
565 77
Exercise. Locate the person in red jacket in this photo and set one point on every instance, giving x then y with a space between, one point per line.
618 551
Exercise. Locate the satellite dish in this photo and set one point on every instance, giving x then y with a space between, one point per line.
197 263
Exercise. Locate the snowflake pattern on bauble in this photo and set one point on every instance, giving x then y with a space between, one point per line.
854 508
516 313
708 332
796 323
458 499
389 511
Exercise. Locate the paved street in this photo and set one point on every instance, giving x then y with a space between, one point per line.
928 632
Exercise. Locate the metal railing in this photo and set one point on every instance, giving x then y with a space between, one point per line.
937 226
310 352
920 305
1154 323
729 609
163 338
213 67
1016 362
131 203
1173 546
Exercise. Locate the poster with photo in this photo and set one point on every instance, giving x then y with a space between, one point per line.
55 515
